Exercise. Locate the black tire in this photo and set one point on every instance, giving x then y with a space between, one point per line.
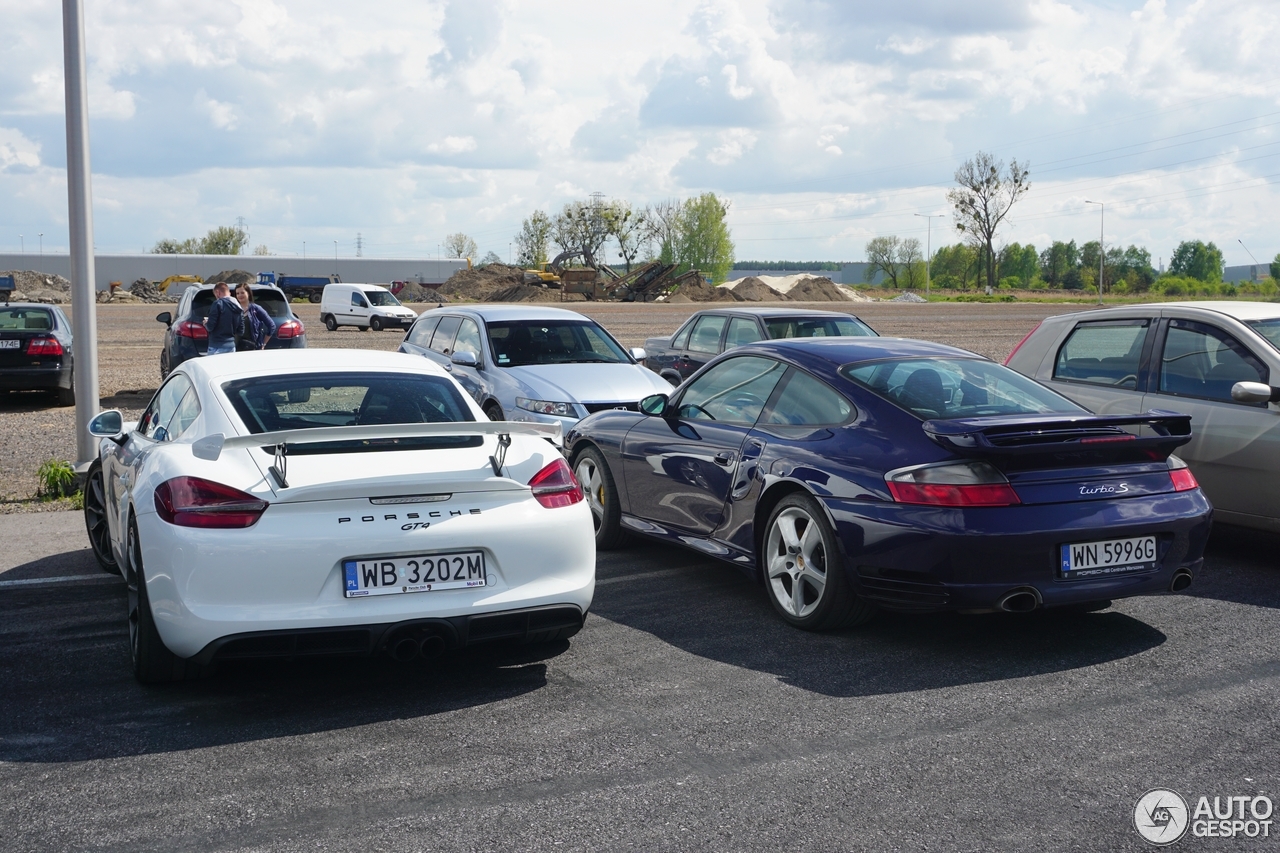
672 377
363 328
601 495
375 323
313 297
493 411
95 519
66 396
331 323
153 663
804 573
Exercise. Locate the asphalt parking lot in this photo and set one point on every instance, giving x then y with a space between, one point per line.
685 716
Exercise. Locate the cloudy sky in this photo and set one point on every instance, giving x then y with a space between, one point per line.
823 123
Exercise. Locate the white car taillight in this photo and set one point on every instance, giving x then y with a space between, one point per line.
951 484
555 486
193 502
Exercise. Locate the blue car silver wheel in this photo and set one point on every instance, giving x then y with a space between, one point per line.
803 570
601 496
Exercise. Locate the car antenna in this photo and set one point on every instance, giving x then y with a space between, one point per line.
281 467
496 461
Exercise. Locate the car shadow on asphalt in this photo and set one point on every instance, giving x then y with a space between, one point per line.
715 611
67 691
1241 566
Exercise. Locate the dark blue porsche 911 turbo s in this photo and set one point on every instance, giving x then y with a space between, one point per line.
854 473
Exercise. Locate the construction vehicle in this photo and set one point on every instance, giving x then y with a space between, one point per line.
163 286
309 287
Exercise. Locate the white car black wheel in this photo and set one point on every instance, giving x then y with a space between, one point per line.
331 323
602 497
376 324
153 663
803 571
95 520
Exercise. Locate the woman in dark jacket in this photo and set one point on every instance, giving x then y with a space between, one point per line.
258 326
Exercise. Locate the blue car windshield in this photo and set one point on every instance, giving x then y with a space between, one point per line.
945 388
520 342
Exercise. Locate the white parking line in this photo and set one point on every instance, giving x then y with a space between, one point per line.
61 579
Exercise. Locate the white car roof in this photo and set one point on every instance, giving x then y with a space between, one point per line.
1238 310
268 362
512 312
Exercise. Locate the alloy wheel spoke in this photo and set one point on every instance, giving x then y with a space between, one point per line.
786 525
797 596
811 541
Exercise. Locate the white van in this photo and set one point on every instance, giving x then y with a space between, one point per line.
365 306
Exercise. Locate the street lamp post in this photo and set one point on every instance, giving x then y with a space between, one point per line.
23 243
335 251
42 244
928 246
1102 231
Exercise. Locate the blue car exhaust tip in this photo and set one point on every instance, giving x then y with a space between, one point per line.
1181 580
1019 600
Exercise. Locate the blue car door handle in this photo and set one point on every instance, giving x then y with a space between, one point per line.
724 457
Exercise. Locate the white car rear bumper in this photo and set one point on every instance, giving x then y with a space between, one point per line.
285 574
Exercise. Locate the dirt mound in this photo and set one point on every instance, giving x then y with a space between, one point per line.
909 297
232 277
752 289
146 291
817 289
480 283
678 299
524 293
414 292
32 286
700 291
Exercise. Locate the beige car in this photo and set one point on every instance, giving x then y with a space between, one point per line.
1216 361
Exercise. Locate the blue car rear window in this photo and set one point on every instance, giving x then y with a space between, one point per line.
945 388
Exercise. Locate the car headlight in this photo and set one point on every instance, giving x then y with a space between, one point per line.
546 407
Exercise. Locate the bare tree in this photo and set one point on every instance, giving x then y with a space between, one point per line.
662 228
581 226
911 263
628 226
460 246
986 193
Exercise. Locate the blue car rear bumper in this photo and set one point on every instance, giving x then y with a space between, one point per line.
926 558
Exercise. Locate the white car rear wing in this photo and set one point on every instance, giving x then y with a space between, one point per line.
211 446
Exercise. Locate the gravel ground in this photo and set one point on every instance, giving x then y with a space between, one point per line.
129 341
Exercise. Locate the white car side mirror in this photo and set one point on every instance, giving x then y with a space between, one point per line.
1252 392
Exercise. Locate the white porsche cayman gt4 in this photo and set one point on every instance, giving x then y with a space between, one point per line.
289 503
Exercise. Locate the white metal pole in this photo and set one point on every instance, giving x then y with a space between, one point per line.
84 324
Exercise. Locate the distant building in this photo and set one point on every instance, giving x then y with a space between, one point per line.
129 268
1246 272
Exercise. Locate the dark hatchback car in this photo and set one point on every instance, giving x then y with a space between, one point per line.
708 333
186 336
35 350
853 473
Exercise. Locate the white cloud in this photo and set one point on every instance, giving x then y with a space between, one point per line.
453 145
17 152
221 116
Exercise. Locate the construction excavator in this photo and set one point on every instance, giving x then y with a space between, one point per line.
162 286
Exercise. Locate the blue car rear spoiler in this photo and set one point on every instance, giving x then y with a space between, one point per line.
1151 435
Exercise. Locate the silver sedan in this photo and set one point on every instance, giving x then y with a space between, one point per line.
1216 361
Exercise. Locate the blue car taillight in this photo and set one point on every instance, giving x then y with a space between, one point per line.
1180 474
954 484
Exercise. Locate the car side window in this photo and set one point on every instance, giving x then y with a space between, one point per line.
734 391
1203 361
185 416
155 420
442 340
681 336
806 401
420 334
358 301
706 334
1107 352
742 331
468 338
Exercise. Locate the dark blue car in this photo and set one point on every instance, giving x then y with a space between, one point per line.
854 473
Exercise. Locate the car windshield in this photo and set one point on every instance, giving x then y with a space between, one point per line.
520 342
817 327
380 297
1269 329
25 320
310 400
268 297
945 388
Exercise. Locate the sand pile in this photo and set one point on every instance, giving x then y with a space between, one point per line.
818 289
233 277
32 286
752 289
480 283
908 297
700 291
524 293
414 292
